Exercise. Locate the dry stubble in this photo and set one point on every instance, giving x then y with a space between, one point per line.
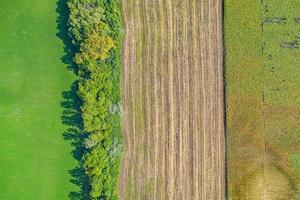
172 100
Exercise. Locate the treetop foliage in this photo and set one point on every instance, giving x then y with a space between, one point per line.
95 29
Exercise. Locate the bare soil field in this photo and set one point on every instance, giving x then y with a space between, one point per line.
172 100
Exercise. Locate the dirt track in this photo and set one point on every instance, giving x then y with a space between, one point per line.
172 100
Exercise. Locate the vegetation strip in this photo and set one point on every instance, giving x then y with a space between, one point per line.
95 29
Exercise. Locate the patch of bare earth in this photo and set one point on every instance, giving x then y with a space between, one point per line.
172 100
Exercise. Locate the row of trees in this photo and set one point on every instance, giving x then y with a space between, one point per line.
95 29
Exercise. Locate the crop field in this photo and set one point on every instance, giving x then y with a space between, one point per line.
263 99
35 159
172 100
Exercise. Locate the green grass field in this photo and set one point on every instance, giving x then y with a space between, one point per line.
263 98
35 159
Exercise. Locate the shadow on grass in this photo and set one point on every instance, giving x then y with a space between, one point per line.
71 107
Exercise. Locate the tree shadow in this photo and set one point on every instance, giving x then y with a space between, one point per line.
71 107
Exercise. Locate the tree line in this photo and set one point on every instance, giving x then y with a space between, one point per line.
95 30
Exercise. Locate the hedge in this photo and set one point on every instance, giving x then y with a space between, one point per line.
95 30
